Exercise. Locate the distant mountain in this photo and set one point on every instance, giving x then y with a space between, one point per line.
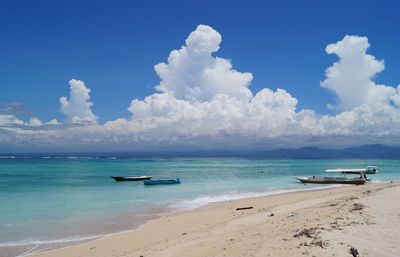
365 151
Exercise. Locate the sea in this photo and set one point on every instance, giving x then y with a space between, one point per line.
48 202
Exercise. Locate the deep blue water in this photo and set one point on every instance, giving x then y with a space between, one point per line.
52 200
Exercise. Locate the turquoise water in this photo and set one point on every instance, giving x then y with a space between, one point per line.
49 202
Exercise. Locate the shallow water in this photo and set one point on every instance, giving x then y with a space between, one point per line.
48 202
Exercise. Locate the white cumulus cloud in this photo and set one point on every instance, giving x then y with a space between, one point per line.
78 108
192 73
351 78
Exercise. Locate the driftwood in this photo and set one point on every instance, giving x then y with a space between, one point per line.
244 208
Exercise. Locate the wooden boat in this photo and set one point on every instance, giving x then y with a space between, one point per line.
162 182
332 180
367 170
139 178
336 180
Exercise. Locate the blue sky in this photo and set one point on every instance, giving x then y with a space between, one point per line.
113 46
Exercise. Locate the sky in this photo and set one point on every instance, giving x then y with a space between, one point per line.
179 75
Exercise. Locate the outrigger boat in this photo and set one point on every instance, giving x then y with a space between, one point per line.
335 180
162 182
139 178
367 170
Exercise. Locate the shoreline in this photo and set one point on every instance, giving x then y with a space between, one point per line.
102 246
170 209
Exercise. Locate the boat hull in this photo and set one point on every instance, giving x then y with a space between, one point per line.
161 182
325 180
119 179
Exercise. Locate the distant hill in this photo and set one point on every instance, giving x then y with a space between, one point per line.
365 151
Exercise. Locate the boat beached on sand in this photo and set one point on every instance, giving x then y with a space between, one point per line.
139 178
341 180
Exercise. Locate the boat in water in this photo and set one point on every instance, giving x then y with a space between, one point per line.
161 182
332 180
360 180
139 178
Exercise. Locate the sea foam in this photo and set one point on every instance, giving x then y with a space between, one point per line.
200 201
31 241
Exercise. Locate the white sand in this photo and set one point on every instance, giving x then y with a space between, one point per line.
314 223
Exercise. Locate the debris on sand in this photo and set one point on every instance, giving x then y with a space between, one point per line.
244 208
354 252
319 243
357 207
292 214
307 232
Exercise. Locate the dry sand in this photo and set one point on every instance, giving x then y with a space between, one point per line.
312 223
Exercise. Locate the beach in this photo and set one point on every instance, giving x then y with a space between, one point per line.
328 222
220 129
53 202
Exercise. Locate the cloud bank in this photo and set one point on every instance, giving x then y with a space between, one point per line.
203 102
